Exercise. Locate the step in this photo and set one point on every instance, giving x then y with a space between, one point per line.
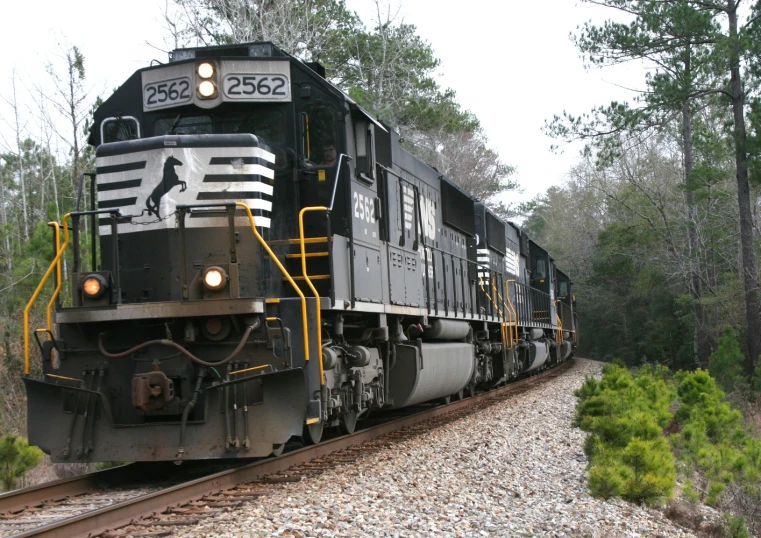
307 241
311 277
308 255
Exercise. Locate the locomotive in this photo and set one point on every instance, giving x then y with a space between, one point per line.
265 261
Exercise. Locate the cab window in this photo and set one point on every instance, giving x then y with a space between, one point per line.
181 124
563 288
319 133
540 271
119 129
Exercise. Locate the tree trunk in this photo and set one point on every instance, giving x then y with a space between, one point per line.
743 196
21 176
702 351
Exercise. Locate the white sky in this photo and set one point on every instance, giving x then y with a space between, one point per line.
511 63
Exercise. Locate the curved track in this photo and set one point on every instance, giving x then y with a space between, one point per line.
91 504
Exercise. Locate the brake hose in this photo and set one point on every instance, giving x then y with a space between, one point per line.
178 347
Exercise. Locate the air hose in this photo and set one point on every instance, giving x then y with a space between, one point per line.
178 347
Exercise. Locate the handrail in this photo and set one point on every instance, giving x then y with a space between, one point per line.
309 280
559 334
36 293
507 336
59 274
285 274
514 312
492 301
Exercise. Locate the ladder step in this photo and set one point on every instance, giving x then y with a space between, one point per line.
308 255
311 277
307 241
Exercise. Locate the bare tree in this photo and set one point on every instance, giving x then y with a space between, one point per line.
18 151
71 101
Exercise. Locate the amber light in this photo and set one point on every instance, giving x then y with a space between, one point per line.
214 278
93 286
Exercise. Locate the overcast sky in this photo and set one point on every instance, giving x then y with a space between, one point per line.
511 63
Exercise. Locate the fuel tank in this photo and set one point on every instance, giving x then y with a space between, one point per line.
428 371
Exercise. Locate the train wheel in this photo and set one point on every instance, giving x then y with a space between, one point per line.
348 422
312 434
277 450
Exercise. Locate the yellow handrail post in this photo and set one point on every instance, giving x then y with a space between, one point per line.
285 274
59 273
309 281
36 293
514 312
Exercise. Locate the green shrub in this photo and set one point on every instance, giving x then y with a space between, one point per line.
625 416
735 527
653 475
689 493
16 458
726 365
607 481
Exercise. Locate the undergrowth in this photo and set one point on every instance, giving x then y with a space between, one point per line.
649 428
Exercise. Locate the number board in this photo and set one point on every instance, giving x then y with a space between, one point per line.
166 93
256 87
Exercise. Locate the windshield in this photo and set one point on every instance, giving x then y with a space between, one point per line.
261 120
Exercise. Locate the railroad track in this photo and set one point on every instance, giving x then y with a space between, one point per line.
93 504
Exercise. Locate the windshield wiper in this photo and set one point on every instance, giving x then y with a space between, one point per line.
174 123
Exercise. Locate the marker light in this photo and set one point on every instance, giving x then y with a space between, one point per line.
207 88
214 278
205 70
93 286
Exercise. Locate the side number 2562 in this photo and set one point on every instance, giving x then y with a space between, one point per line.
363 207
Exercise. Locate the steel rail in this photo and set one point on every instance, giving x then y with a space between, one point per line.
121 514
13 501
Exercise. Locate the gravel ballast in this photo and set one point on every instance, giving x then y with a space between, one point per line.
516 468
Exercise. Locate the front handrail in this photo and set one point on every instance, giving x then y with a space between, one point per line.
304 317
59 275
309 280
55 263
559 333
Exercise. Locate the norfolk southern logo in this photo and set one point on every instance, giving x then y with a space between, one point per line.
147 185
169 180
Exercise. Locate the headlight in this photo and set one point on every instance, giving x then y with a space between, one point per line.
207 89
205 70
214 278
93 286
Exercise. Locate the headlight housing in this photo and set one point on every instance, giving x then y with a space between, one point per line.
214 278
94 286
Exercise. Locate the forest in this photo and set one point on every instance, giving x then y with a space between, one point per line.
658 223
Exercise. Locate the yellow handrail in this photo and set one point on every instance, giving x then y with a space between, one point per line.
285 274
514 312
309 281
559 336
492 301
57 232
36 293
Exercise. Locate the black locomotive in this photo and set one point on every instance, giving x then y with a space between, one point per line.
267 261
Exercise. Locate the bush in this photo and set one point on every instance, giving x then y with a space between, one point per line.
16 458
735 527
625 416
726 364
